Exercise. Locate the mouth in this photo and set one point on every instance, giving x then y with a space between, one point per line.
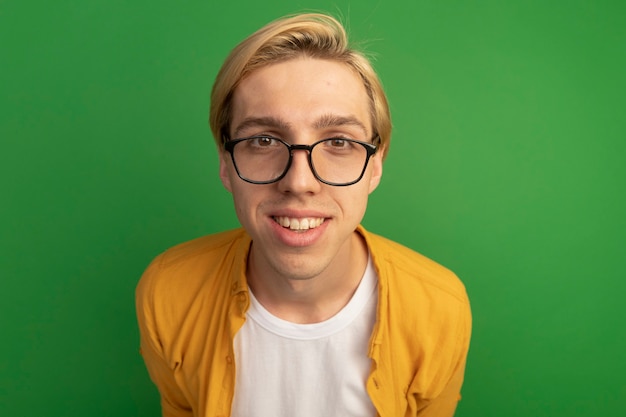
299 224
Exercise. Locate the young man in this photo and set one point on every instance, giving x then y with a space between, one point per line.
302 312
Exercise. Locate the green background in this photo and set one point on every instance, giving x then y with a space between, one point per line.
507 165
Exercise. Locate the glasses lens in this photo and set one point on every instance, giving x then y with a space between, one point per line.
339 161
261 159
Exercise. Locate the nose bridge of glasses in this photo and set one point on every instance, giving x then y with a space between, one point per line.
307 148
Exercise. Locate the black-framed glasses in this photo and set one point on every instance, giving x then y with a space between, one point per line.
265 159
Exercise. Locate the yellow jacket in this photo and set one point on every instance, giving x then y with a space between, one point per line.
192 300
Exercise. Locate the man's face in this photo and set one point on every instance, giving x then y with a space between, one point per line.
301 101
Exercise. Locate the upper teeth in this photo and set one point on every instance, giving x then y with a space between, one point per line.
299 224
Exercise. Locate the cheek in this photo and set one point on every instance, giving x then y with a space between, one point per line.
246 202
353 203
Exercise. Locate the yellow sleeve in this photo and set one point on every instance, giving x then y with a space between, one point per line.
173 400
444 404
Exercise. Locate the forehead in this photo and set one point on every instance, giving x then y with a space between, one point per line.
300 92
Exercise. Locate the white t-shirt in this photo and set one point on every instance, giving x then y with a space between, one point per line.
286 369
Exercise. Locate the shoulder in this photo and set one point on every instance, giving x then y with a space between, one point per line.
200 249
182 270
184 292
406 267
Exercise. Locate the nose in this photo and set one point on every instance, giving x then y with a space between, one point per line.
299 178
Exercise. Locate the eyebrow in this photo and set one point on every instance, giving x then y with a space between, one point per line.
271 122
325 121
332 120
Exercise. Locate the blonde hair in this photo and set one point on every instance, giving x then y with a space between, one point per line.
313 35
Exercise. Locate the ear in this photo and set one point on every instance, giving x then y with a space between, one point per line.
376 163
225 170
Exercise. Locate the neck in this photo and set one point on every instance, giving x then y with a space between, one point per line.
314 299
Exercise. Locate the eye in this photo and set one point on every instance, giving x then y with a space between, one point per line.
338 143
263 141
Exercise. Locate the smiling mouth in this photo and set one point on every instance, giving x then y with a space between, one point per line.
299 224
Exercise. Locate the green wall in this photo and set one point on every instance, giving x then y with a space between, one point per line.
507 165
